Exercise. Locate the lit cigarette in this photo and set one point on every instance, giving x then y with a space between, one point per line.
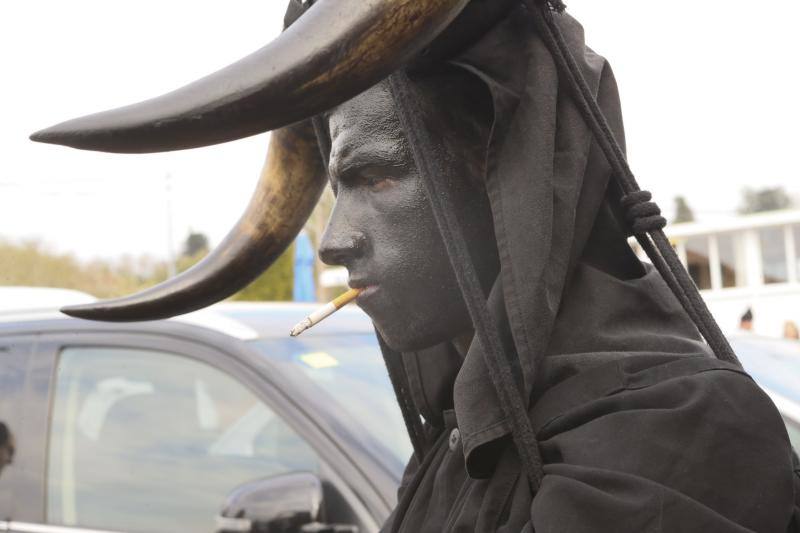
325 311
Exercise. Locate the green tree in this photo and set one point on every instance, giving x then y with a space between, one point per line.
765 199
276 283
32 264
683 213
194 244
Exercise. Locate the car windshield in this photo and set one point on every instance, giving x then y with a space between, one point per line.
773 363
351 370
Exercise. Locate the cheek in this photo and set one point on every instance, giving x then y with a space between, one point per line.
404 230
409 258
412 258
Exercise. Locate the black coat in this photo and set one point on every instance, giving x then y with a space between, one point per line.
639 428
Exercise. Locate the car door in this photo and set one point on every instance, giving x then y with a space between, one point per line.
17 431
149 433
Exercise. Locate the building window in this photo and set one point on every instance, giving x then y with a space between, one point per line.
731 260
773 254
697 261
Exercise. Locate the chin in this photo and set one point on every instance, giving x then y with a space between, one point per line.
410 338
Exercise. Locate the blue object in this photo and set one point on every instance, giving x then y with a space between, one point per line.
303 290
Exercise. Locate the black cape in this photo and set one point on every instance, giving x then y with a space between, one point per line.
640 428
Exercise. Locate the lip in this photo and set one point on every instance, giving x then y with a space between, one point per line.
367 291
367 287
360 282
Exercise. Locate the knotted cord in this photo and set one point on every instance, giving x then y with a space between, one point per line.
641 214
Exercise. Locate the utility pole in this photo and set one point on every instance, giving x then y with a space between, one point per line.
171 269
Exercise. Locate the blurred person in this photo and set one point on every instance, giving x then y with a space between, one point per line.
7 446
746 320
790 330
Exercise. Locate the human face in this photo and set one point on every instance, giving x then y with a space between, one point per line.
383 230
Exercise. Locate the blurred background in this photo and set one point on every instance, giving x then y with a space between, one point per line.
709 94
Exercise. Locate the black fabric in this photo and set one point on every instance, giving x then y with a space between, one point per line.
400 383
538 164
431 373
639 428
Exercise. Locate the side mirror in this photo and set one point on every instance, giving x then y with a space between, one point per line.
289 503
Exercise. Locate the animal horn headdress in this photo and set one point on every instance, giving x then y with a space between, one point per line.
334 51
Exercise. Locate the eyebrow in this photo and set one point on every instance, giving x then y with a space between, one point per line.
364 156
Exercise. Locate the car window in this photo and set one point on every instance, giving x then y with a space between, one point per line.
150 441
793 428
773 363
14 355
349 368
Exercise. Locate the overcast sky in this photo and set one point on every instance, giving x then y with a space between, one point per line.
709 92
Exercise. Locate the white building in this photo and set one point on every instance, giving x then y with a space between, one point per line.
752 261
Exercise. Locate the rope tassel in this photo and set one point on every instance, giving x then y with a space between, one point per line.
641 214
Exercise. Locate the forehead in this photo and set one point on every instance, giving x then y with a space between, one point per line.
366 123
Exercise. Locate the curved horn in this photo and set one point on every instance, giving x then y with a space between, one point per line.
290 185
336 50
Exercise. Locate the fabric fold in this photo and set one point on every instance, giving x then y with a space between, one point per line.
536 170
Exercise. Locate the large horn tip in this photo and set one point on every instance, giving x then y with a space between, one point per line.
54 135
87 311
85 133
103 312
43 136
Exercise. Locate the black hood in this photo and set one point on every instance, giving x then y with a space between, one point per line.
547 183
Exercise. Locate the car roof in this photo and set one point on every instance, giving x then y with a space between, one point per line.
276 319
18 299
241 320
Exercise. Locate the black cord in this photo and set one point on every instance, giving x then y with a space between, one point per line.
402 390
431 169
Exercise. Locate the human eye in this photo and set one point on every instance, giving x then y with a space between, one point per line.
377 182
369 177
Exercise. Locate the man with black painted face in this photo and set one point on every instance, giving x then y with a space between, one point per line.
549 380
382 228
616 325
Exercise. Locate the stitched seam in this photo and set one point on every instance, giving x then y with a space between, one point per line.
458 504
469 443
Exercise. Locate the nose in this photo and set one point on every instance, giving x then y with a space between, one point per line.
342 242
